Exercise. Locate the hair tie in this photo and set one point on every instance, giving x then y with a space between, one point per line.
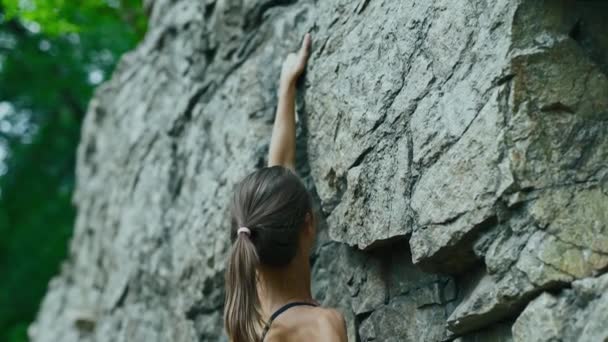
244 230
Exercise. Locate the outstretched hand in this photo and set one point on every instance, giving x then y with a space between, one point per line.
282 149
295 63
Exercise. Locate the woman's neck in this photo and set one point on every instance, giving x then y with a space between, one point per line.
279 286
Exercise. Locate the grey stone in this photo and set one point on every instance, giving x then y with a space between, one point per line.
500 332
522 263
397 322
456 152
577 314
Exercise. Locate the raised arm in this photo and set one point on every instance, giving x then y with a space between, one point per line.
283 142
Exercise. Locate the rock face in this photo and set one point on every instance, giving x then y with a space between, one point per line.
577 314
457 151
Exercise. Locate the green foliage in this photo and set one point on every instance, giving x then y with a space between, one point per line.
52 55
63 16
51 14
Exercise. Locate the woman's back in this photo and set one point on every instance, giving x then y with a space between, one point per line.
273 232
307 323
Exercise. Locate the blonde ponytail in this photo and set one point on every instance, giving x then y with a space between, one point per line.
242 313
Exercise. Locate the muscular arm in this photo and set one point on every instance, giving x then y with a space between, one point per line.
283 142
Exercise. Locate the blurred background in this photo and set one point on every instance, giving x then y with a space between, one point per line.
53 53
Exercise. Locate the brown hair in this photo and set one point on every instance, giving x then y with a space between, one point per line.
272 203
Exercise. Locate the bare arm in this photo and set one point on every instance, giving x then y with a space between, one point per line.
283 142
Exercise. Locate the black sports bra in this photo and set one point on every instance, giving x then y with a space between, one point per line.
280 311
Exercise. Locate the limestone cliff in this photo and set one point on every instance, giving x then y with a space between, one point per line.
457 151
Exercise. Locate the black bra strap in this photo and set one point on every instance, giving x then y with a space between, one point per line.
280 311
287 307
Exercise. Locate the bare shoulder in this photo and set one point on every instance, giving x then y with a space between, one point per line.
304 324
331 325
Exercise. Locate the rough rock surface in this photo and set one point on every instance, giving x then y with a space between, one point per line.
577 314
456 149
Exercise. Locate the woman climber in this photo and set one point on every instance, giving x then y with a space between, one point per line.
268 296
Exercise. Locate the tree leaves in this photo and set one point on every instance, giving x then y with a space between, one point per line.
52 55
57 17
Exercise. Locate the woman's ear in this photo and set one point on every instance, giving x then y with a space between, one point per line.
310 224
